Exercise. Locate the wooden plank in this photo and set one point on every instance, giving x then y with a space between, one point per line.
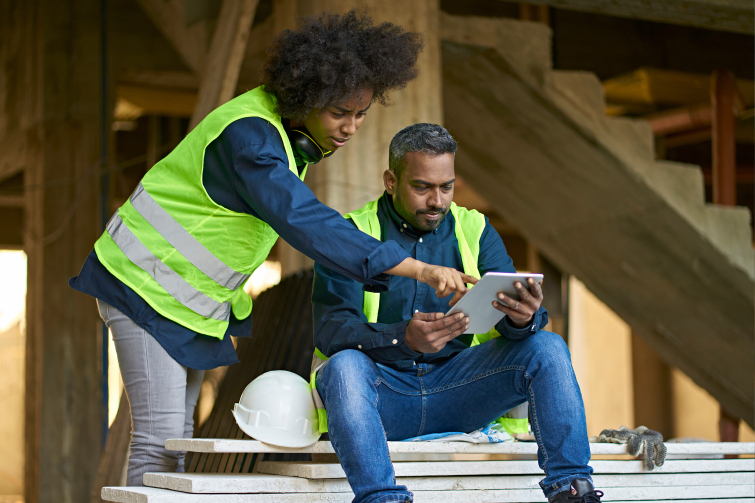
190 42
224 59
153 495
448 468
255 483
324 447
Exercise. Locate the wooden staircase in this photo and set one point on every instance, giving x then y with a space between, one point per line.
587 190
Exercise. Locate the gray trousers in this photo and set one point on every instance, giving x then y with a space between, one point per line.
162 394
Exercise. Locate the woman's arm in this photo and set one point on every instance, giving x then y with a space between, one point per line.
250 155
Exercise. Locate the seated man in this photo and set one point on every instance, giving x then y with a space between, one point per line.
396 368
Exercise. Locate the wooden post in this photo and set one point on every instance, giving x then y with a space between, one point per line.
221 73
723 90
353 175
722 95
61 50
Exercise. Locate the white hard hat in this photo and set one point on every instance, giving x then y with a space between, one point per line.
277 408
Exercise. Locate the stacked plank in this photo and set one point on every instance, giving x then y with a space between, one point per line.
693 471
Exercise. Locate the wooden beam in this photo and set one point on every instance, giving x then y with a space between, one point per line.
725 15
654 86
158 78
7 201
227 50
12 154
190 42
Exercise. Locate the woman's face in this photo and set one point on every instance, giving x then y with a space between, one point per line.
333 126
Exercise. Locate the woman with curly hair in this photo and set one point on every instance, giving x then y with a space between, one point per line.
169 270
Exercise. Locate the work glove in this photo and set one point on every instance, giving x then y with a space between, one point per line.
638 440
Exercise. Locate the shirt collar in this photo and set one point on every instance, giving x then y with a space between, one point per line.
402 225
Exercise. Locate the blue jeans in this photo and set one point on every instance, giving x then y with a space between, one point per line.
369 404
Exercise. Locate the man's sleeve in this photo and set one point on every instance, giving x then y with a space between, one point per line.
340 324
278 197
494 258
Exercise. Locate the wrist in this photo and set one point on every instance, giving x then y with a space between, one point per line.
520 324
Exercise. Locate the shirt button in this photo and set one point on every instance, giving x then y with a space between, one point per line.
394 341
420 240
404 225
401 230
416 310
360 346
534 326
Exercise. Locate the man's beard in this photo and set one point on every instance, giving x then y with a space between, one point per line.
431 225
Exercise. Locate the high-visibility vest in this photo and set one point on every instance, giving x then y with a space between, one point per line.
185 255
468 228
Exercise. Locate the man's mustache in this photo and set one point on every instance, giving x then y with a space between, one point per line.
438 210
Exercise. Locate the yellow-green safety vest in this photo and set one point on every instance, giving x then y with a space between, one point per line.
468 228
185 255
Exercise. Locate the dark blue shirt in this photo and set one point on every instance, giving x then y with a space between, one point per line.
246 170
337 301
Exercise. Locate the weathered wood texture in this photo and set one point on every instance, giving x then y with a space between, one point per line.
353 175
467 480
50 115
189 41
701 494
221 73
726 15
587 191
114 456
231 445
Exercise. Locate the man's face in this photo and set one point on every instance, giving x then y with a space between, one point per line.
423 192
331 127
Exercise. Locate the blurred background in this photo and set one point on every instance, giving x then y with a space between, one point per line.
609 143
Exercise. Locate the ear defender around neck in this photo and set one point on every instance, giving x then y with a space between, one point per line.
306 147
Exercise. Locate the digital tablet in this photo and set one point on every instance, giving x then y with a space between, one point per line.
477 304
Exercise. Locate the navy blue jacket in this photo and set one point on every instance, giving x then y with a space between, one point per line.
337 300
246 170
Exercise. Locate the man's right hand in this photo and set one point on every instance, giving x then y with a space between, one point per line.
430 332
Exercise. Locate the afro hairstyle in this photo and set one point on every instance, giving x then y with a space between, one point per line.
330 58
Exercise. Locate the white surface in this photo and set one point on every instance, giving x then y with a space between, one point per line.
258 483
477 304
446 468
152 495
230 445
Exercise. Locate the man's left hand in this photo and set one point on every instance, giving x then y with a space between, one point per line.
520 312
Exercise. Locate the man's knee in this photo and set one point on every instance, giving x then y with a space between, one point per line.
348 366
549 349
347 375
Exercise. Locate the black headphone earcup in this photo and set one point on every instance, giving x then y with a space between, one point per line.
306 148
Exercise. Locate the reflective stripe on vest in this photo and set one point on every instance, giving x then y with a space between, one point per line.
186 244
166 277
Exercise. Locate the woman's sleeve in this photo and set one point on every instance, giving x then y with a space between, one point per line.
277 196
